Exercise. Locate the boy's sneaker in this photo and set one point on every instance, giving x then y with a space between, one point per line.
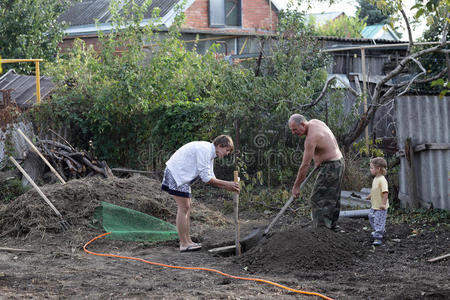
377 242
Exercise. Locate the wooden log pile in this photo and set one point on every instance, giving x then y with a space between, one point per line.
66 160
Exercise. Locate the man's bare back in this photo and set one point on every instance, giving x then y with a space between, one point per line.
323 141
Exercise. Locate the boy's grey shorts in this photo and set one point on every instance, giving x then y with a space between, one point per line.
170 185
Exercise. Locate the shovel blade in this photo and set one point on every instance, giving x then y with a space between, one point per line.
252 239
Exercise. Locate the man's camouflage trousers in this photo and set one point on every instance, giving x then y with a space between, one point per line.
326 196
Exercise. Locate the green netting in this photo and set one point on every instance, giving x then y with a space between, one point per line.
130 225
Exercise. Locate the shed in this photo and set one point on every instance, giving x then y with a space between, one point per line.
423 133
21 89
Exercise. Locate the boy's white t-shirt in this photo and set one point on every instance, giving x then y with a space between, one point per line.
195 159
379 186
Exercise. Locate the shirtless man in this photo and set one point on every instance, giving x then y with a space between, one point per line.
320 146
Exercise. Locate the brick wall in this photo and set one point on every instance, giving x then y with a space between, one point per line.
67 43
255 17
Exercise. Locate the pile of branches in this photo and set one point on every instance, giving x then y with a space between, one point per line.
75 163
69 162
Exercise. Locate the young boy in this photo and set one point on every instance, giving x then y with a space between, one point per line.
379 199
194 160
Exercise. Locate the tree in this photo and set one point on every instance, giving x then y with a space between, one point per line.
437 18
29 29
345 27
438 12
372 14
383 94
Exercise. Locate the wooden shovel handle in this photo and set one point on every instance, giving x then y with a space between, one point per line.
286 205
43 158
34 185
236 216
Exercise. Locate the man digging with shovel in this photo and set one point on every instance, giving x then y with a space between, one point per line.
320 146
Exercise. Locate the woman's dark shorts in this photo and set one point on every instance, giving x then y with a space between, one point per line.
170 185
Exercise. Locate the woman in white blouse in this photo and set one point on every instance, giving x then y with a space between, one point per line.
191 161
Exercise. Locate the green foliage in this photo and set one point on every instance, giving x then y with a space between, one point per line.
29 29
263 101
420 216
378 12
11 189
371 13
139 106
345 27
249 186
436 17
128 102
430 8
173 125
373 151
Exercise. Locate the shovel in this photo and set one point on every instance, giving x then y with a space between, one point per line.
258 234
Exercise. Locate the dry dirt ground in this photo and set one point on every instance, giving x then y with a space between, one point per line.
339 264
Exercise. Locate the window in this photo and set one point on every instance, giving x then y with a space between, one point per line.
224 13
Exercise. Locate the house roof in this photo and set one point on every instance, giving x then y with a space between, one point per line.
86 12
24 88
357 41
322 18
379 31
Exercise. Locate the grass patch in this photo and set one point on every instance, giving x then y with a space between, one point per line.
420 216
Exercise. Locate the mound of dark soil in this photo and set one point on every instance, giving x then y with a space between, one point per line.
77 199
302 249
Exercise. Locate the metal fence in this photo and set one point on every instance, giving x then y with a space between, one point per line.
425 167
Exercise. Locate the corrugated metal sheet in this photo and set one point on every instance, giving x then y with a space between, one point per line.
426 119
24 88
380 31
86 12
370 31
329 41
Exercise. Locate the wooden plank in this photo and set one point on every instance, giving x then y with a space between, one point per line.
14 249
439 257
35 186
432 146
363 66
411 176
222 249
131 171
41 156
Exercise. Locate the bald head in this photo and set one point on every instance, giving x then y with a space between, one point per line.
297 119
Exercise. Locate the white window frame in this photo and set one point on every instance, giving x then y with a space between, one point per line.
216 14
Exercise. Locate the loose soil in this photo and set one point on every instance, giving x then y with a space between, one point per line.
340 264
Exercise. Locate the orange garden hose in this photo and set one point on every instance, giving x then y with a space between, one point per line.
198 268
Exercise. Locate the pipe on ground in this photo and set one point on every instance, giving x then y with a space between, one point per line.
360 213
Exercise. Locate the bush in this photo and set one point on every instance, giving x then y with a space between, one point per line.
11 189
137 109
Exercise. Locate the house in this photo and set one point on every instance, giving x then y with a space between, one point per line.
235 24
379 31
320 19
380 57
